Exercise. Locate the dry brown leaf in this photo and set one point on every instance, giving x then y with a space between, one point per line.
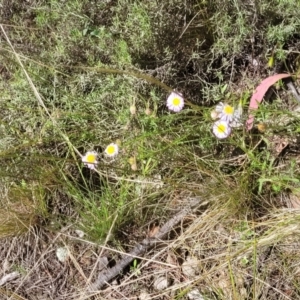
171 258
294 201
153 231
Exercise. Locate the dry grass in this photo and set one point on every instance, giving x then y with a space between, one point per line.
233 258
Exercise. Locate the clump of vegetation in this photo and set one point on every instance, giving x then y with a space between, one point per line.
106 130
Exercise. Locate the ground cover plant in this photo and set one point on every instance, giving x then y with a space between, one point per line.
119 117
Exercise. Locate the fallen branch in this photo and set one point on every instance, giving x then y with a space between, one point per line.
140 249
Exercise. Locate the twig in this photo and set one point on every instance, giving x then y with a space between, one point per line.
189 23
9 277
293 89
140 249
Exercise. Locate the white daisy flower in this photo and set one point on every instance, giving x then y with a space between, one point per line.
112 150
221 129
225 111
90 159
175 102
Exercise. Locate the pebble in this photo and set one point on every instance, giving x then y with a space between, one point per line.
161 283
62 254
195 295
190 267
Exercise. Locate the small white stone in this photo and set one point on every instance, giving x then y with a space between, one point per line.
62 254
80 233
190 267
195 295
161 283
255 62
144 296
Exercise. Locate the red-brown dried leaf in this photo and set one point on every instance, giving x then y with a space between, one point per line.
259 94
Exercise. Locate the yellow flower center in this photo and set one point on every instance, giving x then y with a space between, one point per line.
228 110
221 128
91 158
176 101
110 150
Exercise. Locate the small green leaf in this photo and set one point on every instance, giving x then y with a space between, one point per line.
223 89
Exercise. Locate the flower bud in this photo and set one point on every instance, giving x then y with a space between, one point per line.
132 109
148 111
